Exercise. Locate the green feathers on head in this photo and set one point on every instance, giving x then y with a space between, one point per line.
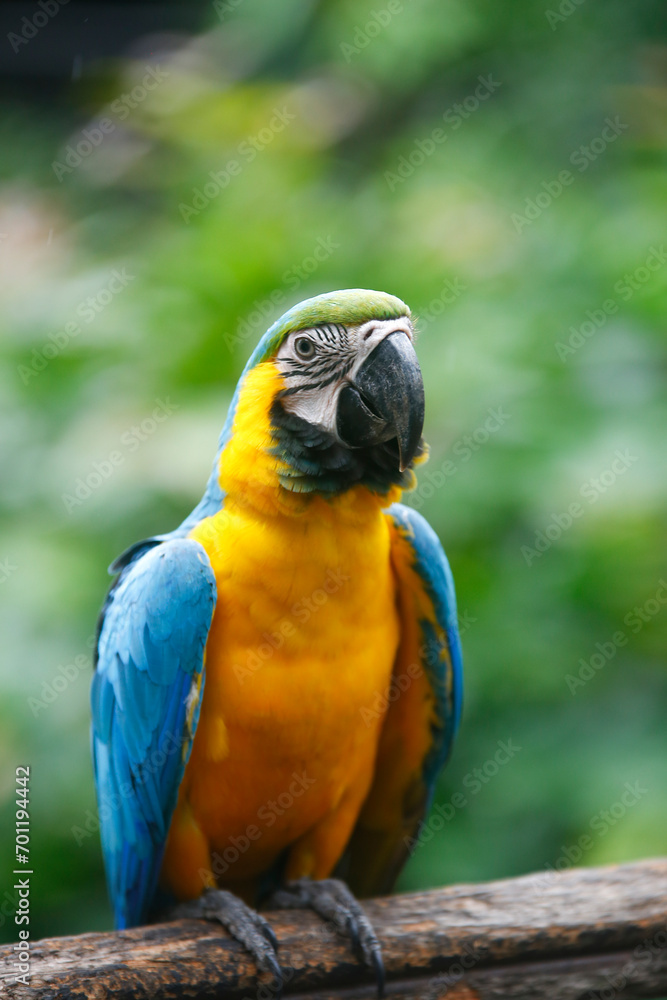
349 307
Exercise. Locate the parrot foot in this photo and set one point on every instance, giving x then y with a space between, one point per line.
243 923
331 899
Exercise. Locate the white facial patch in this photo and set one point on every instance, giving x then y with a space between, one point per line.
317 362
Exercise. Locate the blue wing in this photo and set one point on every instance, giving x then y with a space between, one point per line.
423 707
440 643
146 695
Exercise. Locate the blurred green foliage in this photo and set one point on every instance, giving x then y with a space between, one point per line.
542 362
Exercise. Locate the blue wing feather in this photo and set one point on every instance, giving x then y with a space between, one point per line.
151 645
445 673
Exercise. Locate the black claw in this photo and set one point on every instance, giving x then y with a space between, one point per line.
378 969
334 902
243 923
270 936
277 972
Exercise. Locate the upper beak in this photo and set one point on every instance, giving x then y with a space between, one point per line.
385 400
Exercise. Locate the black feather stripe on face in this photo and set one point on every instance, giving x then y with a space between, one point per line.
333 359
313 385
315 459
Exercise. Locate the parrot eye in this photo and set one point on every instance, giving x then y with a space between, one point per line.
304 347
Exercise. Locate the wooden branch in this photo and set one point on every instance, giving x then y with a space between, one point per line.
582 933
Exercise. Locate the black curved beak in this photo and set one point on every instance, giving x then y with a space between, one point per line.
385 400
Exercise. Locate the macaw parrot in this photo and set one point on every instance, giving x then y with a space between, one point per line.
278 680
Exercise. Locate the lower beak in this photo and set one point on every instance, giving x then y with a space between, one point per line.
385 400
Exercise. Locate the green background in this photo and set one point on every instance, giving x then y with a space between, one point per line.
501 266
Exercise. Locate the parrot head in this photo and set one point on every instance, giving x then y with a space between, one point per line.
346 402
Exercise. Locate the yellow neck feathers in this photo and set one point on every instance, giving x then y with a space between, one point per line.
249 471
